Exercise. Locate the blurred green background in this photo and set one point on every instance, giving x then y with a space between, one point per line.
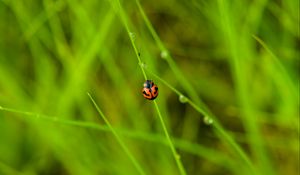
238 61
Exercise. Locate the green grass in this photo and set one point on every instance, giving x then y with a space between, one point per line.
227 73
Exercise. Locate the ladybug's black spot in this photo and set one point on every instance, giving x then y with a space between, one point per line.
156 88
153 97
144 92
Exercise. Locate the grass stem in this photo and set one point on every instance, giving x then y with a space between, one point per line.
175 154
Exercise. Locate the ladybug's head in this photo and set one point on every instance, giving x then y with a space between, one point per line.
148 84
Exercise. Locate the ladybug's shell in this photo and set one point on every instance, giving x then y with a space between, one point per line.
150 90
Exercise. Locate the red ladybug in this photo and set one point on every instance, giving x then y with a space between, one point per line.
150 90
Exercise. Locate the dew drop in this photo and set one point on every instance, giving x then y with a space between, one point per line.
164 54
182 99
132 36
143 65
178 156
207 120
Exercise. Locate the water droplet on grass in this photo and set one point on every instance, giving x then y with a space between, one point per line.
207 120
178 156
182 99
132 36
164 54
143 65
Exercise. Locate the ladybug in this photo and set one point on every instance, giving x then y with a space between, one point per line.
150 90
